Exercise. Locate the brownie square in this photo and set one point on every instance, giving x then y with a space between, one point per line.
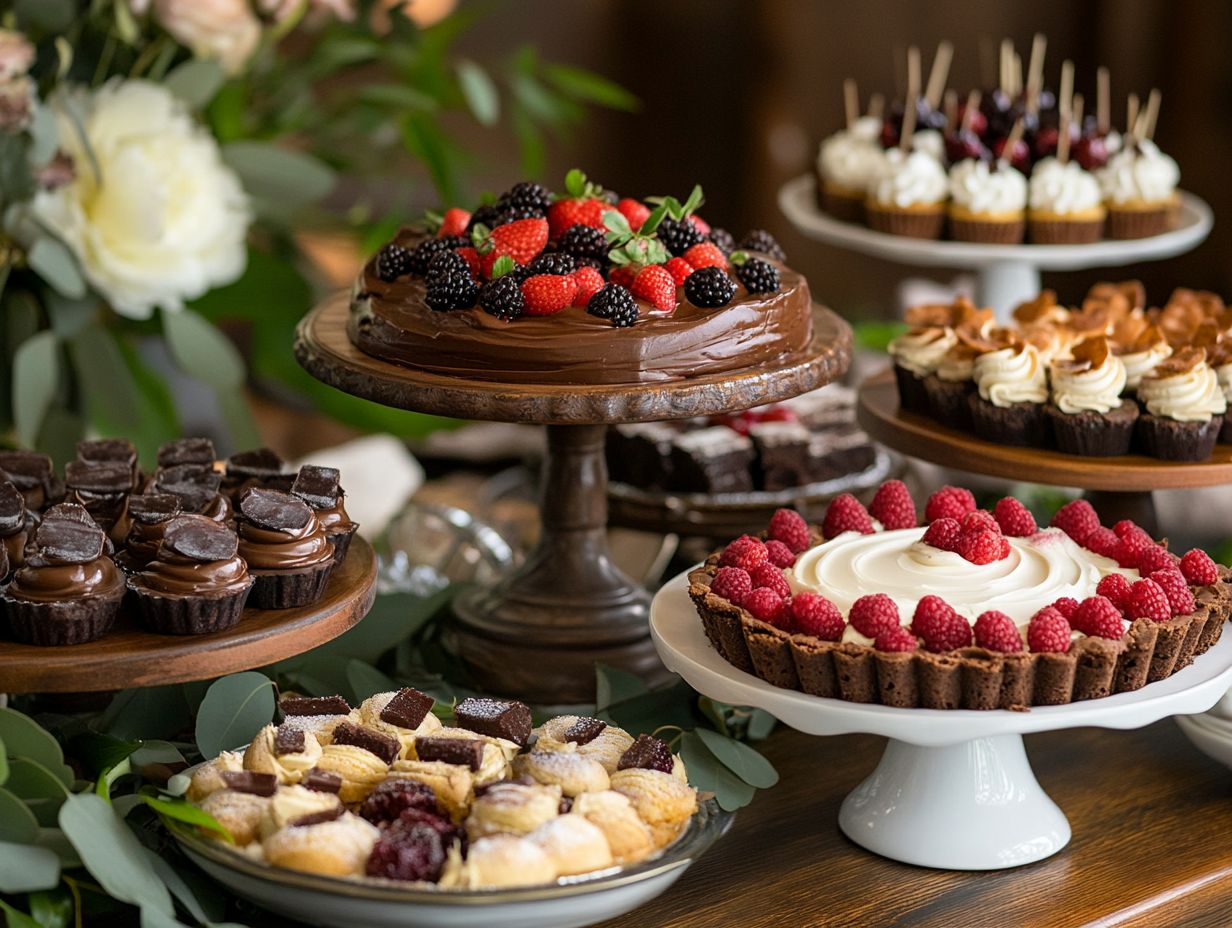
835 453
639 454
713 460
782 455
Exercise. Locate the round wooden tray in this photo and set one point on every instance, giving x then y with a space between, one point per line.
325 350
130 656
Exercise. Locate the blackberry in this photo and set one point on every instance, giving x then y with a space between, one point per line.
551 263
414 853
487 215
597 263
614 303
724 239
393 797
678 235
709 287
514 213
526 195
450 284
503 298
393 261
758 276
762 241
583 242
429 248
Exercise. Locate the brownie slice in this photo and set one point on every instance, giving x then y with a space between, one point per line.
826 407
782 455
639 454
837 452
713 460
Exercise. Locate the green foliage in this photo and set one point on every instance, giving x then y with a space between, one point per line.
234 709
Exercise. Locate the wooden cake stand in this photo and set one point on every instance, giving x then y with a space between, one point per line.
1119 487
130 656
539 632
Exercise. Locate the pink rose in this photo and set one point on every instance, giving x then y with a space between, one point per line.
16 54
226 30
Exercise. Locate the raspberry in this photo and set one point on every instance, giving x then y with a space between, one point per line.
1115 588
414 853
949 502
647 753
453 223
996 631
636 213
705 254
846 514
699 223
546 294
655 285
1126 527
522 240
1048 631
1102 541
1098 617
815 615
896 639
746 552
892 506
981 547
1130 547
873 614
979 520
1067 606
1198 568
789 527
589 282
779 554
393 797
680 269
1148 601
939 625
732 583
944 534
769 577
768 606
1153 558
1077 519
1014 518
1180 598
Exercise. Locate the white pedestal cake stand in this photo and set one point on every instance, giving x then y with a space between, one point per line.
1007 274
954 789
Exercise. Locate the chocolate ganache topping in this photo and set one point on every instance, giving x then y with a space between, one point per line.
13 531
68 563
279 532
319 488
198 557
151 514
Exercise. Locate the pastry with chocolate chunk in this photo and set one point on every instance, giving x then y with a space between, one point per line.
149 515
102 488
196 486
111 451
286 549
319 488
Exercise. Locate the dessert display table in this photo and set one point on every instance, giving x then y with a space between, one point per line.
1119 487
953 789
540 631
130 656
1007 274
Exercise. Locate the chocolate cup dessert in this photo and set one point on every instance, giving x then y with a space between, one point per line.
319 488
260 467
150 515
103 489
197 584
911 393
285 547
13 529
1171 440
196 486
1017 424
111 451
1094 434
31 473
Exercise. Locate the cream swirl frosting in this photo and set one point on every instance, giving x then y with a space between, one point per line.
930 142
1095 389
921 350
1224 374
1063 188
1040 569
904 180
1190 396
1140 173
976 187
849 157
1140 363
1011 375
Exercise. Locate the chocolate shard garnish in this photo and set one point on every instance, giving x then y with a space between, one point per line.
186 451
100 477
496 718
384 746
69 512
584 730
193 485
200 539
317 486
465 752
321 781
97 450
288 740
12 509
153 508
647 753
313 705
261 462
26 469
317 818
274 510
246 781
408 708
65 542
280 482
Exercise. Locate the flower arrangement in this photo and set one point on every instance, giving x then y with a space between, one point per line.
156 157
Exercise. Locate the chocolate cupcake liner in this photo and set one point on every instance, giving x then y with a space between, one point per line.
1064 231
908 223
1225 431
63 622
1171 440
342 542
948 401
911 393
1017 424
1138 223
988 233
841 206
286 589
186 615
1093 434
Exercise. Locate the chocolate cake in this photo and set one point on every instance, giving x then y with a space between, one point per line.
712 460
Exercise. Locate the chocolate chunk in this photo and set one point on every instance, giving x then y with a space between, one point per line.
288 740
200 539
565 806
274 510
321 781
317 486
280 482
465 752
386 747
12 509
102 477
408 708
313 705
186 451
64 542
259 463
26 469
194 485
107 450
246 781
317 818
584 730
647 753
153 508
496 718
69 512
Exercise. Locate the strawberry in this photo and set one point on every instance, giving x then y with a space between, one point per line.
589 282
546 294
654 284
522 240
623 276
582 207
705 254
700 224
636 213
487 264
471 256
453 223
680 269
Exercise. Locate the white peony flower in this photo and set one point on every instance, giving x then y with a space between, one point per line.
226 30
161 219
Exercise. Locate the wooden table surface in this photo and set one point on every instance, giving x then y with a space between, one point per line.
1152 847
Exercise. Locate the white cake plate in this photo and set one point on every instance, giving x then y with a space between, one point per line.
954 789
1007 274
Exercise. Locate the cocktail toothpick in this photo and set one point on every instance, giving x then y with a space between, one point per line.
912 99
939 74
1103 101
1131 114
851 102
973 107
1035 71
951 109
876 105
1151 116
1066 93
1011 142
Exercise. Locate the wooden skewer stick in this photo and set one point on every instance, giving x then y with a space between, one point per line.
1011 142
973 106
1068 121
876 105
939 74
913 72
1151 116
1066 93
1035 71
1103 101
912 99
851 102
1131 113
951 110
1007 55
1016 75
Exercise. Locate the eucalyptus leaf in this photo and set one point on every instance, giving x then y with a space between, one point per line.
586 85
277 174
761 724
4 763
741 759
105 381
69 316
52 261
365 680
155 712
52 908
195 81
156 752
613 686
23 737
15 918
28 779
397 95
178 784
17 822
200 897
238 418
708 773
234 709
479 92
61 431
54 840
44 136
36 376
202 350
26 869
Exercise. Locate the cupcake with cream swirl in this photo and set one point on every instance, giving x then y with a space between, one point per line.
987 202
1141 352
1064 206
1011 390
1219 357
907 195
845 167
1139 188
916 354
1183 407
1087 414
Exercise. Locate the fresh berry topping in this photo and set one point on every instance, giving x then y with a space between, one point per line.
980 520
589 282
429 248
768 606
1198 568
769 577
678 235
1102 541
941 628
655 285
1126 527
449 282
614 303
586 211
647 753
393 797
762 241
526 195
552 262
949 503
1048 631
622 275
1180 597
700 224
709 287
981 547
745 552
1099 617
1077 519
895 639
1130 547
1116 589
789 527
471 257
780 555
943 533
1067 606
705 254
1148 601
846 514
412 853
758 276
502 298
732 583
815 615
1153 558
872 614
680 269
453 223
546 294
487 215
393 261
724 239
522 240
996 631
1014 518
635 213
583 242
892 506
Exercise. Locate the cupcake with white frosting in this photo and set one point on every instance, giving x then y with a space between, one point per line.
1183 408
916 354
1139 189
951 385
1064 204
907 195
988 203
1141 352
1087 413
845 167
1011 390
1220 360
